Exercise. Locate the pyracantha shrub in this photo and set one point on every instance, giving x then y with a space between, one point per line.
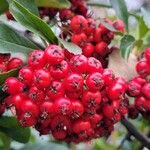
139 88
75 100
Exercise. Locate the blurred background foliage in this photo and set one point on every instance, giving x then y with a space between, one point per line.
135 14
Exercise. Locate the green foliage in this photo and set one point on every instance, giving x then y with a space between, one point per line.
10 127
126 45
12 41
53 3
4 141
3 6
121 10
32 22
71 47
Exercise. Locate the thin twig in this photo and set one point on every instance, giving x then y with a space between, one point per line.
138 135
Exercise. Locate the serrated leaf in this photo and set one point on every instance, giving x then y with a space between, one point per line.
71 47
121 10
145 10
12 41
3 6
53 3
10 126
126 45
4 76
32 22
48 146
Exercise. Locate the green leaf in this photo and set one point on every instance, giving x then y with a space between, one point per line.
142 28
4 76
48 146
3 6
145 10
146 39
121 10
32 22
10 126
53 3
126 45
5 141
11 41
30 4
71 47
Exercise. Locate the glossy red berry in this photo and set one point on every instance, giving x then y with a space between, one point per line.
108 111
14 63
78 64
3 68
36 96
98 35
102 48
93 65
91 25
26 75
54 54
77 109
62 106
4 58
95 81
42 78
13 86
147 54
55 90
79 39
74 82
119 25
146 90
88 50
78 24
36 59
65 14
91 99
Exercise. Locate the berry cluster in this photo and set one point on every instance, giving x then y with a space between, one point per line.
7 63
77 7
75 100
139 88
93 40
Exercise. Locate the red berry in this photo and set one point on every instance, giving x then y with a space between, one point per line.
146 90
91 25
60 70
26 75
42 78
143 68
94 65
91 99
55 90
37 96
95 81
108 111
62 106
133 112
13 86
4 58
77 109
134 89
88 50
147 54
65 14
36 59
54 54
119 25
98 35
78 64
78 24
101 48
14 63
74 82
46 110
139 103
79 39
